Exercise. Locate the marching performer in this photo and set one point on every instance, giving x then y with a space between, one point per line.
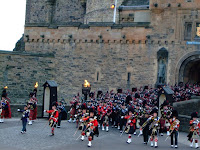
131 121
91 127
53 118
122 113
83 120
106 112
61 111
73 110
5 110
25 114
32 105
165 115
194 130
154 127
145 127
174 126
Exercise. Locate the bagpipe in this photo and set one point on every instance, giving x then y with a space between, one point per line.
4 105
154 124
194 125
52 122
31 105
127 127
172 127
149 120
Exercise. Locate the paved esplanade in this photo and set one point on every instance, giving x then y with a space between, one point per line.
37 138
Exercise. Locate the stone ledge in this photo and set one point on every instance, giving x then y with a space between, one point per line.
142 7
22 53
91 24
186 102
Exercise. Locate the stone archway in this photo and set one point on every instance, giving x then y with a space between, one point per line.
188 68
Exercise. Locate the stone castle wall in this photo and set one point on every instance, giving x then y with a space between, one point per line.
20 71
69 53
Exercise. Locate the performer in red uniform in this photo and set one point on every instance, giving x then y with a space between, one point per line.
53 118
131 121
91 127
106 112
5 110
194 130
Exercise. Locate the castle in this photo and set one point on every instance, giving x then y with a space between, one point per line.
151 42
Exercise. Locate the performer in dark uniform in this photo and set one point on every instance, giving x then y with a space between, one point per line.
25 114
61 111
53 118
154 127
145 127
174 126
122 113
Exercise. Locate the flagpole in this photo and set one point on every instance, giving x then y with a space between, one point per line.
115 11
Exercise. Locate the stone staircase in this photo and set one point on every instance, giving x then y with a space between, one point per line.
185 108
135 2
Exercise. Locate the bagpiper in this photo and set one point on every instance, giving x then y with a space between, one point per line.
145 127
53 118
32 105
194 130
165 115
83 121
174 126
123 112
91 127
106 112
131 121
73 110
5 110
154 127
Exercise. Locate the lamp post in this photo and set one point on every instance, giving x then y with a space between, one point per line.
115 11
86 89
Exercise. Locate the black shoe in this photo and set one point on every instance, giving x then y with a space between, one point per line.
52 134
156 146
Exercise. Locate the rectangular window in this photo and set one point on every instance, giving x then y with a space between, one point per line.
188 31
97 76
129 77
